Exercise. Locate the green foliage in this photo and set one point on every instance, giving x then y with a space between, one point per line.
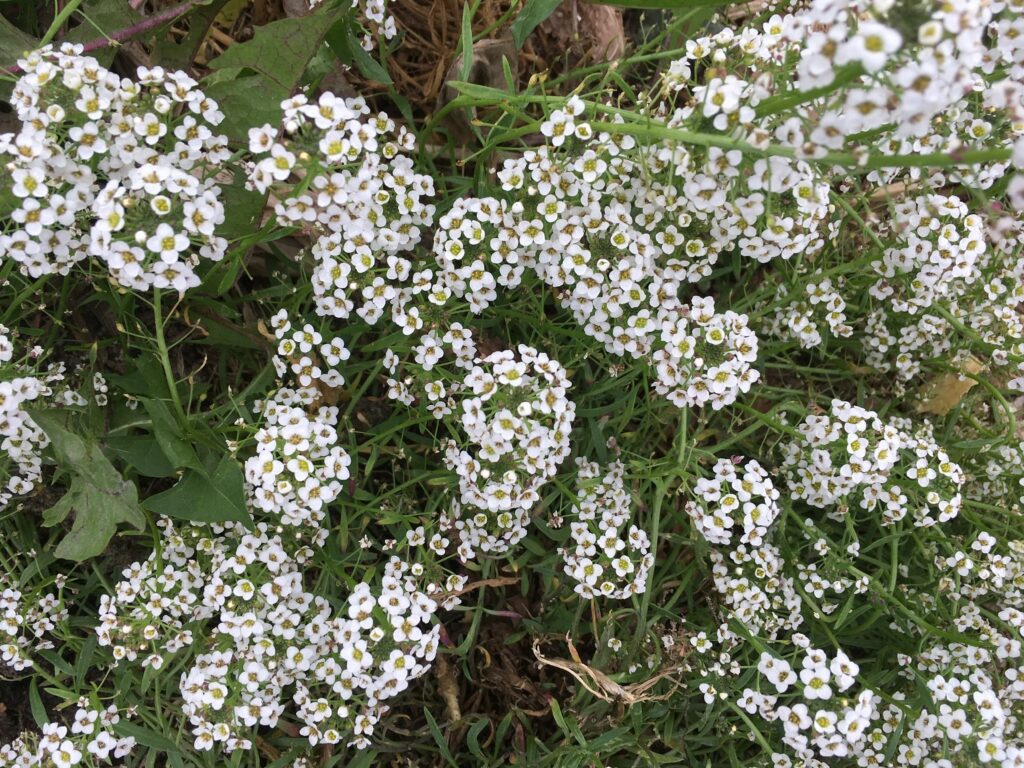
534 12
98 495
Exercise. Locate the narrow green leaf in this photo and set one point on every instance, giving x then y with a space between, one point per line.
367 65
466 41
35 702
439 739
534 13
146 737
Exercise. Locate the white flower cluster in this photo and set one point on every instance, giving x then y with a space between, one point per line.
823 721
115 168
90 740
475 238
25 621
343 176
941 245
237 598
299 467
850 455
706 357
606 559
755 587
21 440
975 691
804 319
375 12
739 499
516 416
611 227
936 96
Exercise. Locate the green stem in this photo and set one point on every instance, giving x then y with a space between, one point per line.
165 359
58 22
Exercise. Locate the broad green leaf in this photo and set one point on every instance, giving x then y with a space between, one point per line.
251 79
99 496
169 436
242 208
247 100
215 496
142 452
181 54
13 43
68 447
534 13
97 514
281 50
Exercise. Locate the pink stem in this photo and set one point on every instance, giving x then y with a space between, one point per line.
129 32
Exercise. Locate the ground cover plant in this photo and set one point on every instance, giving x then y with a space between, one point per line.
453 390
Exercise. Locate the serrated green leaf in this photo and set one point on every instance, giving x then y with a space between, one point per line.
97 514
534 12
216 496
99 496
68 447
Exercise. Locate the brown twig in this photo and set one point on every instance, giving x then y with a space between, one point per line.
120 35
501 581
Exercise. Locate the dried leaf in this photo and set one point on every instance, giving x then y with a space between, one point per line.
945 391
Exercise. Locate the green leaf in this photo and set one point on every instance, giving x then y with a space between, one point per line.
247 100
35 702
84 659
341 39
147 738
99 19
142 453
368 66
99 496
466 42
281 50
13 43
181 54
97 513
214 496
242 207
251 79
169 435
534 12
68 447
